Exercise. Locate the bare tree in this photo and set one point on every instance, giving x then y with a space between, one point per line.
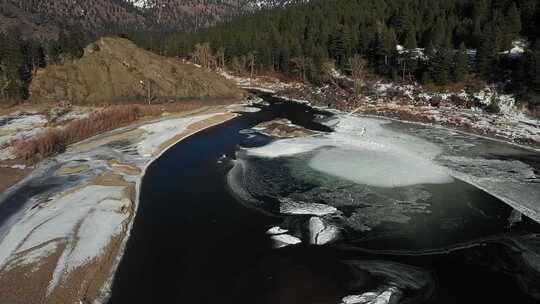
148 89
237 65
327 70
250 64
220 58
302 64
358 66
202 55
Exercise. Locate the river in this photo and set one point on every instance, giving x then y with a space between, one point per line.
195 240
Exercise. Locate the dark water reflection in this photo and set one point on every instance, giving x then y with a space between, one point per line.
192 242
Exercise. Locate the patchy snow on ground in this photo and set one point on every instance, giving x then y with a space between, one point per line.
73 219
162 131
260 83
18 126
513 127
23 121
518 48
81 212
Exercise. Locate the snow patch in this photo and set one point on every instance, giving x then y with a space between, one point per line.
85 220
162 131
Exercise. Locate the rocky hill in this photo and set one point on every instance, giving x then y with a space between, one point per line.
115 70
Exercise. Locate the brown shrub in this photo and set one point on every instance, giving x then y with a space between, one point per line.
55 140
42 145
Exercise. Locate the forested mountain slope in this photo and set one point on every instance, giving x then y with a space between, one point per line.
442 40
114 16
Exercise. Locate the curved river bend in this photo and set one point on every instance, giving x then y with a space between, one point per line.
196 240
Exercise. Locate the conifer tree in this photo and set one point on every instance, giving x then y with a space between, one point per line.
513 20
442 64
13 61
461 65
533 59
410 40
486 54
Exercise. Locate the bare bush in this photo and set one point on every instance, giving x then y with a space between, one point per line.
56 139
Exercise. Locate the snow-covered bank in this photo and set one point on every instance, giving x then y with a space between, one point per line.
68 234
478 110
22 125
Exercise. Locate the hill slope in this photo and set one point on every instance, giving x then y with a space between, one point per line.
115 70
113 16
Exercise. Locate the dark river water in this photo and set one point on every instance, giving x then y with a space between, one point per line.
194 242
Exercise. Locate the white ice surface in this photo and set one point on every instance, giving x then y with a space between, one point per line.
371 297
320 233
366 153
276 230
289 206
284 240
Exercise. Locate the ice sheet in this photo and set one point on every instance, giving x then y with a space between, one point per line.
363 151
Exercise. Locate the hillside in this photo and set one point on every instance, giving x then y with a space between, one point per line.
30 24
115 70
43 19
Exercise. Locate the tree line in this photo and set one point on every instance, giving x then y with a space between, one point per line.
443 41
20 58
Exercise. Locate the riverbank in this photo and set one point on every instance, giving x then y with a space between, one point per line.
65 225
480 110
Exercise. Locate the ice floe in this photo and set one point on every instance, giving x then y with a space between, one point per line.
276 230
321 233
371 297
284 240
289 206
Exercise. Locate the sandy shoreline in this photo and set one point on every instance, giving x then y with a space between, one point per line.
105 292
75 211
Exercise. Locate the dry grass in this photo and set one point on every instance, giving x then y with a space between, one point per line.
55 139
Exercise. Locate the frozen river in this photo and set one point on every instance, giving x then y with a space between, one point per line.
364 211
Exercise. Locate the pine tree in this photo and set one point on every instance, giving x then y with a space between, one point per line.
486 54
410 40
461 66
13 61
284 60
533 59
337 48
385 49
442 64
513 20
53 52
409 62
